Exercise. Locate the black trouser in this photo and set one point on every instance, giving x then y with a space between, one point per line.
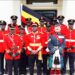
31 60
71 62
22 64
13 64
1 63
45 64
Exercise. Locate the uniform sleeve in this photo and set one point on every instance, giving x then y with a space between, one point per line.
27 42
50 45
43 39
5 44
20 44
42 43
52 30
62 46
25 38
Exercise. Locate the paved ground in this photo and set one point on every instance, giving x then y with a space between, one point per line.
36 74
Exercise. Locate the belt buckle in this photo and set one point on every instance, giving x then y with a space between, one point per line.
56 46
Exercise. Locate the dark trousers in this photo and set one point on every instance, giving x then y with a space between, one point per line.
23 63
71 62
1 63
31 61
13 64
45 64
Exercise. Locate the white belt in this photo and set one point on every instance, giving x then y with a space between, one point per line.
70 40
1 40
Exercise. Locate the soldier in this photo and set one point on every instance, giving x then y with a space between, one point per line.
7 30
60 19
63 27
45 48
54 20
28 27
34 47
2 47
23 59
28 30
53 25
42 27
48 25
13 51
13 21
56 44
28 22
69 51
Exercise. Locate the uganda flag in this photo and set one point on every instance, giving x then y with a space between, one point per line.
29 13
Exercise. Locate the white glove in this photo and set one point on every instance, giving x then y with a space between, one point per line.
47 49
57 53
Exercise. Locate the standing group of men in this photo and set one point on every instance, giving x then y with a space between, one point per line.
22 45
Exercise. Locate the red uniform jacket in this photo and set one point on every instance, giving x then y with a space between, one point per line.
70 39
10 25
42 29
63 29
6 32
17 30
45 40
12 40
22 40
33 42
2 42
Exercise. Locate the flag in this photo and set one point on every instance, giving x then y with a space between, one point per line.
29 13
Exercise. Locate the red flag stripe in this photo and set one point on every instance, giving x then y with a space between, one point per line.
23 19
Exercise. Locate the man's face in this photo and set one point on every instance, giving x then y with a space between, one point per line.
21 31
57 29
61 21
28 23
2 27
34 28
70 26
12 31
14 21
48 28
42 23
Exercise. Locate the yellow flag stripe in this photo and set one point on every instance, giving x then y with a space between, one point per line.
27 15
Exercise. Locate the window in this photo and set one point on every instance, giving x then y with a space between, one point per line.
31 1
47 13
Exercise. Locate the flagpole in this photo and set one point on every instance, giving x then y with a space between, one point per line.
21 12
